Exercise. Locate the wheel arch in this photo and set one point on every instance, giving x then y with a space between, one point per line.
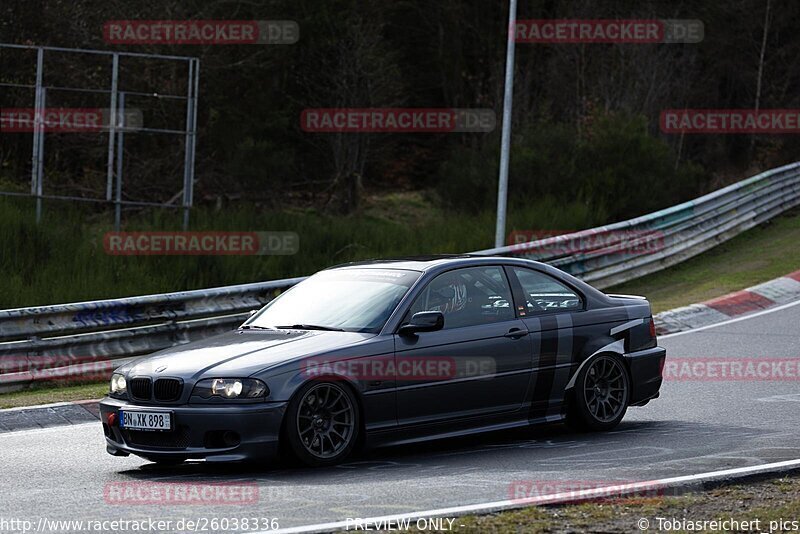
616 347
344 380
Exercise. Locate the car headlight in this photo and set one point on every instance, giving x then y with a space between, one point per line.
118 384
231 388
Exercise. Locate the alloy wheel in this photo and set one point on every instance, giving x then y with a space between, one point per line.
325 421
605 389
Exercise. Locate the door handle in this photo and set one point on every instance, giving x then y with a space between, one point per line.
516 333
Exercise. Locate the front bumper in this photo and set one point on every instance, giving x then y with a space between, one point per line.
199 431
646 367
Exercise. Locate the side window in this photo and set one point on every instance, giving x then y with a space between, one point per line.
467 297
545 293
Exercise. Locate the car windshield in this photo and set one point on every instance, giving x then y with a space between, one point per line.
355 300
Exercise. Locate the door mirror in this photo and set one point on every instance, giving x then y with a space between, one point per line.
425 321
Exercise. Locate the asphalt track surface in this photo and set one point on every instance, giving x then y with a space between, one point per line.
696 426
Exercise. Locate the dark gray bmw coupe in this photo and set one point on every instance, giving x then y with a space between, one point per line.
391 352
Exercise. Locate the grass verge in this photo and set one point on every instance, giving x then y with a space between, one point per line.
50 393
63 258
71 264
768 501
758 255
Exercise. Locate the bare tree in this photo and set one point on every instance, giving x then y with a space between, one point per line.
761 67
355 71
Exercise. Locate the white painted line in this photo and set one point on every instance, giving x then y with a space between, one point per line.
734 320
45 430
571 496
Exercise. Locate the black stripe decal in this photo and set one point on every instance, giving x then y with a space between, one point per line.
548 353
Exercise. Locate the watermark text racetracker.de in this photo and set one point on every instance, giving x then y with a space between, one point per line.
201 32
573 491
190 493
54 368
396 120
201 243
631 31
730 121
731 369
403 368
547 243
67 120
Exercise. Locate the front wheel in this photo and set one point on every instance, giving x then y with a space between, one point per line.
322 423
601 394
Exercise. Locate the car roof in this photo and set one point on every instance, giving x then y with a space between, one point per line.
425 263
436 264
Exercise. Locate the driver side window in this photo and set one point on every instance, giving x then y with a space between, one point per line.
467 297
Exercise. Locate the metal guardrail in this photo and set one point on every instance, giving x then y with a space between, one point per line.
67 341
609 255
32 339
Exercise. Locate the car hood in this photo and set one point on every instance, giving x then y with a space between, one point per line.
241 353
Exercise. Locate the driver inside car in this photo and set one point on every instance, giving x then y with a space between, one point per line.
449 296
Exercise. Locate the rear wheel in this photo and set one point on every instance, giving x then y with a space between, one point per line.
323 423
601 394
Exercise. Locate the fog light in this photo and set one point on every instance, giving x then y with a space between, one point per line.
231 439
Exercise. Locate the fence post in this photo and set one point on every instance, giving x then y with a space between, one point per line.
112 126
115 150
37 131
120 111
190 139
40 163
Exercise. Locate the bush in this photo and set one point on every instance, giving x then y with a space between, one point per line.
628 172
467 181
615 168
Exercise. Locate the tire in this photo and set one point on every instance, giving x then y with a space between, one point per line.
323 423
601 395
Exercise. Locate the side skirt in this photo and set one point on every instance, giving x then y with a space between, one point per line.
430 432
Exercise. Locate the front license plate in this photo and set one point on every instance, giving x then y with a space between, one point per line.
136 420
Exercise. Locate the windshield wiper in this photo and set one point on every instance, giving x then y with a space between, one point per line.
255 327
311 327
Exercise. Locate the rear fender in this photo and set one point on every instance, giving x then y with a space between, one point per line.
613 347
